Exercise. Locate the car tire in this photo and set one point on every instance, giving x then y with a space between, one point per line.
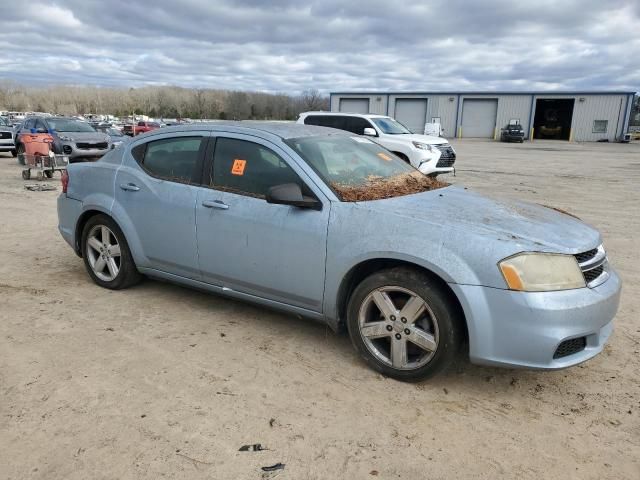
14 153
20 151
106 254
417 332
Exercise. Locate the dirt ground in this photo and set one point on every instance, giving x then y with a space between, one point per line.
164 382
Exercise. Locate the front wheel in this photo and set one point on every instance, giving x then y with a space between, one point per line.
404 324
14 153
106 254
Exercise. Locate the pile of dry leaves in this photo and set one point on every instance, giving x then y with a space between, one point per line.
376 188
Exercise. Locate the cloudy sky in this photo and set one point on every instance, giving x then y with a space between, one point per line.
333 45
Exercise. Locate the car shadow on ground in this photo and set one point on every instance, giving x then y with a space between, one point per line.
303 334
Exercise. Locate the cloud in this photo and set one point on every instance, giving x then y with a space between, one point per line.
288 46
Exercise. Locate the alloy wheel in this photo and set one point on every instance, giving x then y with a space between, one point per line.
103 253
398 327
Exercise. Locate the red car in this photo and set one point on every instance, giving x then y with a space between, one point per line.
141 127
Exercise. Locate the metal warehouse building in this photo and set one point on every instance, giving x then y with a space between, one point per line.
572 116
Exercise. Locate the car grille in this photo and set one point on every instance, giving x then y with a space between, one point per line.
5 134
91 146
569 347
447 156
593 264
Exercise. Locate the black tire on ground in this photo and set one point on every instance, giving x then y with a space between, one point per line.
14 153
445 310
20 151
48 173
26 174
128 274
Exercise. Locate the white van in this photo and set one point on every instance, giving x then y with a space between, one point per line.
431 155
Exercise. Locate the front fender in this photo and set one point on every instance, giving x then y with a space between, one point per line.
358 235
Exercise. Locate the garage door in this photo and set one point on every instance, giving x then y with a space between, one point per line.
479 117
412 112
354 105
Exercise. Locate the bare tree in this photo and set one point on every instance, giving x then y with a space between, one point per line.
165 101
311 99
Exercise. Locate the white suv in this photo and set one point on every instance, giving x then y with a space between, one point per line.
430 155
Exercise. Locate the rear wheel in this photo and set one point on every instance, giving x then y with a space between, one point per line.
48 173
106 254
404 324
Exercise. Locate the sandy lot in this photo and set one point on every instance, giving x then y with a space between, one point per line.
164 382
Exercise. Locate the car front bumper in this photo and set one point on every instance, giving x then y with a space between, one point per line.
6 145
507 137
428 164
74 153
525 329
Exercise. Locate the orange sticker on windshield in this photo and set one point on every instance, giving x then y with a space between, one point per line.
384 156
238 167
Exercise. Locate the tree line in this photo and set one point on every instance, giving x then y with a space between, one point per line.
159 102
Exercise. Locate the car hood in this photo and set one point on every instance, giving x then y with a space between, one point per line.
85 136
518 226
5 129
414 137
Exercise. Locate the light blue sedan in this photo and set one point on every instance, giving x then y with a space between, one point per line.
265 212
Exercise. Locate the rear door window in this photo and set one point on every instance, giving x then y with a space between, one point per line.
175 159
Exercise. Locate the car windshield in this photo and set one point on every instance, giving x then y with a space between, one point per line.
390 126
65 125
358 169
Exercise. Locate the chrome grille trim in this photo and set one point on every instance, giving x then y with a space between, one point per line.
596 261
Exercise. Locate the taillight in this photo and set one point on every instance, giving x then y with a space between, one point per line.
64 178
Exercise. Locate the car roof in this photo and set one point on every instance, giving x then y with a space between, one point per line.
43 117
283 130
345 114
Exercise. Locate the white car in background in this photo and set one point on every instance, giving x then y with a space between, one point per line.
431 155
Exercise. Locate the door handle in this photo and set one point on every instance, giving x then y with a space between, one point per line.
215 204
130 187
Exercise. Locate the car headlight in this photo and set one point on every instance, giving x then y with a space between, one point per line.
424 146
65 138
541 272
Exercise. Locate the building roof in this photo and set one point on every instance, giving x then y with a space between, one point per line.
534 92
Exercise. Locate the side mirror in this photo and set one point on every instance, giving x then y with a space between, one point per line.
370 132
291 194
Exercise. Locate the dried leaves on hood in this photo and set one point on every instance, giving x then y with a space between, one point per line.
377 188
